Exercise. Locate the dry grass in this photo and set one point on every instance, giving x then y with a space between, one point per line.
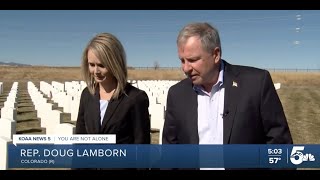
149 74
297 78
8 73
39 73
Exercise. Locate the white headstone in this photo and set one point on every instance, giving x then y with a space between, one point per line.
7 127
4 143
277 86
65 129
9 113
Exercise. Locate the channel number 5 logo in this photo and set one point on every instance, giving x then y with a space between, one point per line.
297 157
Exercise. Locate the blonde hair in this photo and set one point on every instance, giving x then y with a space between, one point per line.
111 53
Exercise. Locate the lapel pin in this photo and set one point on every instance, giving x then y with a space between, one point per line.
235 84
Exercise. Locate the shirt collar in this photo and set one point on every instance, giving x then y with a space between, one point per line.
219 83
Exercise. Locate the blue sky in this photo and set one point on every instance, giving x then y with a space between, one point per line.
264 39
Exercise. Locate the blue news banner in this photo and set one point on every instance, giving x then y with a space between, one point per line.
163 156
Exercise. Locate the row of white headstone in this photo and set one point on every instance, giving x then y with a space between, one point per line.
66 95
1 88
8 124
50 119
157 91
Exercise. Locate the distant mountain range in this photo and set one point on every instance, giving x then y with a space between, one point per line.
13 64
